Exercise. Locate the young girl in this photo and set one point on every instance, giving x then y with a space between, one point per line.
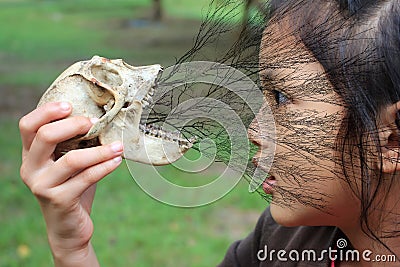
330 72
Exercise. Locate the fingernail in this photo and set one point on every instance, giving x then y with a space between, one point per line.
116 147
117 159
94 120
65 106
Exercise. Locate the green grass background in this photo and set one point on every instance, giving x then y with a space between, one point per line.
39 39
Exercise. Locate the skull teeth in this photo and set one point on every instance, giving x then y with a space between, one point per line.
159 132
146 101
151 92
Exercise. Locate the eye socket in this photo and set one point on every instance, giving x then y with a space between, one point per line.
280 98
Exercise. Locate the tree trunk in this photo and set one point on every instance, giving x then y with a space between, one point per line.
157 10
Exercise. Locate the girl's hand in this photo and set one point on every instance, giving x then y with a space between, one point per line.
64 187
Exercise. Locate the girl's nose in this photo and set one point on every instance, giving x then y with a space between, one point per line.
253 132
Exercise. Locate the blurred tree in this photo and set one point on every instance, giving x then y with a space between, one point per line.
246 14
157 10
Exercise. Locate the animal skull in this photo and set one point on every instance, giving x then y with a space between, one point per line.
116 93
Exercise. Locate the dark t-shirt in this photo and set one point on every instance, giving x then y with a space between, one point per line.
298 245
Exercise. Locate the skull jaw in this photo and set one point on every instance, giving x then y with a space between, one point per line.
153 151
138 146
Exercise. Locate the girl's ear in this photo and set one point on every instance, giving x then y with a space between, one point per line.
389 137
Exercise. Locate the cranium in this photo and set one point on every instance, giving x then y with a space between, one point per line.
116 93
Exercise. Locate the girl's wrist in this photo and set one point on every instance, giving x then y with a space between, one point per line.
85 257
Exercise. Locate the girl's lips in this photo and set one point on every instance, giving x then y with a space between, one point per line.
268 185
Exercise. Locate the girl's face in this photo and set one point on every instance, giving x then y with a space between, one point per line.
308 188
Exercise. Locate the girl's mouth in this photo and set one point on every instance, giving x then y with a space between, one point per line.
268 185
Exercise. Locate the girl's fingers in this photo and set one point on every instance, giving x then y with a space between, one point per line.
77 160
30 123
76 186
49 135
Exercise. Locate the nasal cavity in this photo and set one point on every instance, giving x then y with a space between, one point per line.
107 75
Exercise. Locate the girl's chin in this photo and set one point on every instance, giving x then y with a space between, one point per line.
287 216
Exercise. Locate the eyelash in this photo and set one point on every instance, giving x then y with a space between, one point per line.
280 98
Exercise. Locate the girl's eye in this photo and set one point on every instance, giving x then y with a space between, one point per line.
280 98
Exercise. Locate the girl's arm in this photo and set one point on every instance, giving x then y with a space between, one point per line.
64 187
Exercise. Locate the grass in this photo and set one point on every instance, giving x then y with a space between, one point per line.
38 40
